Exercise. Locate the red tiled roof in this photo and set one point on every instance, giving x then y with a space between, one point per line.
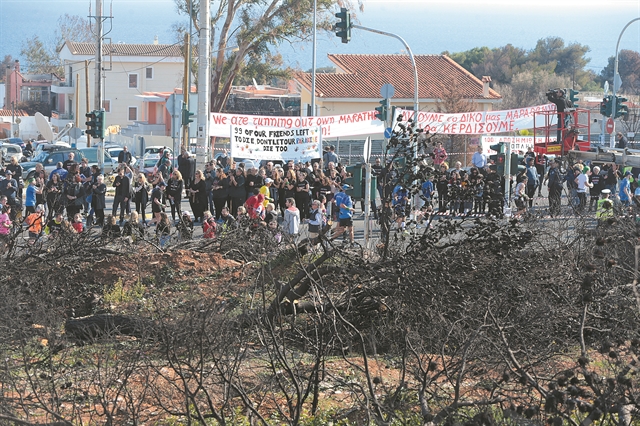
364 75
121 49
9 113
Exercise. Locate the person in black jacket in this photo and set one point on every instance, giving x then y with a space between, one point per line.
74 194
125 156
198 196
186 166
98 202
558 97
175 186
141 189
123 186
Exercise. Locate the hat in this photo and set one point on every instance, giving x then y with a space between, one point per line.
345 187
8 172
529 159
605 191
161 183
268 180
628 173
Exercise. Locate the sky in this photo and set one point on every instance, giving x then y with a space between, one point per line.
428 26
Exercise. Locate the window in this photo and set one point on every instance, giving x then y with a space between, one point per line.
106 105
133 113
149 73
133 81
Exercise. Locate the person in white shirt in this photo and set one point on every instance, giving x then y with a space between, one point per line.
582 180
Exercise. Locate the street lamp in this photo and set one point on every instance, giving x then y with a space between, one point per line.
616 78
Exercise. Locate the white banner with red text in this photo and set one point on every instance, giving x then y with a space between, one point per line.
483 122
366 123
272 143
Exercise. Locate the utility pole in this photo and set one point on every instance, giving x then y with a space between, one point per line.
186 88
97 103
204 72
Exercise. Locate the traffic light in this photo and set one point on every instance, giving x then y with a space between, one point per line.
343 28
500 163
100 126
354 181
516 165
186 115
621 110
605 106
574 98
91 123
382 111
498 149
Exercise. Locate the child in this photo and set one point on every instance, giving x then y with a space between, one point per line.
77 223
111 228
163 229
35 224
185 227
133 228
5 228
273 227
209 226
54 226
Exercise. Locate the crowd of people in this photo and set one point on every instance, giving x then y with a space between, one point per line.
283 197
278 197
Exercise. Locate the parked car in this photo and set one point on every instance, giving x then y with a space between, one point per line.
155 150
91 154
47 146
14 141
9 151
49 159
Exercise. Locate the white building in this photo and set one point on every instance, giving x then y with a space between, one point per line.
130 70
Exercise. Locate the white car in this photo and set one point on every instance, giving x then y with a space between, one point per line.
9 151
150 151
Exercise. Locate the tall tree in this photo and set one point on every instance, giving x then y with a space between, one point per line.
38 57
527 88
500 63
256 28
628 68
73 28
41 55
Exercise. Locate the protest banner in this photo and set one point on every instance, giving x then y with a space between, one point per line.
270 143
480 122
366 123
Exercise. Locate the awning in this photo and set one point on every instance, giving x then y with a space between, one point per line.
151 98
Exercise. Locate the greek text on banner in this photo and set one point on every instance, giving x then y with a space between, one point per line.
271 143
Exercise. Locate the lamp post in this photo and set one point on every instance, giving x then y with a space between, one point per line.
313 61
616 77
204 75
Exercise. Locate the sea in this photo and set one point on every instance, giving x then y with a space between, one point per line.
427 26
